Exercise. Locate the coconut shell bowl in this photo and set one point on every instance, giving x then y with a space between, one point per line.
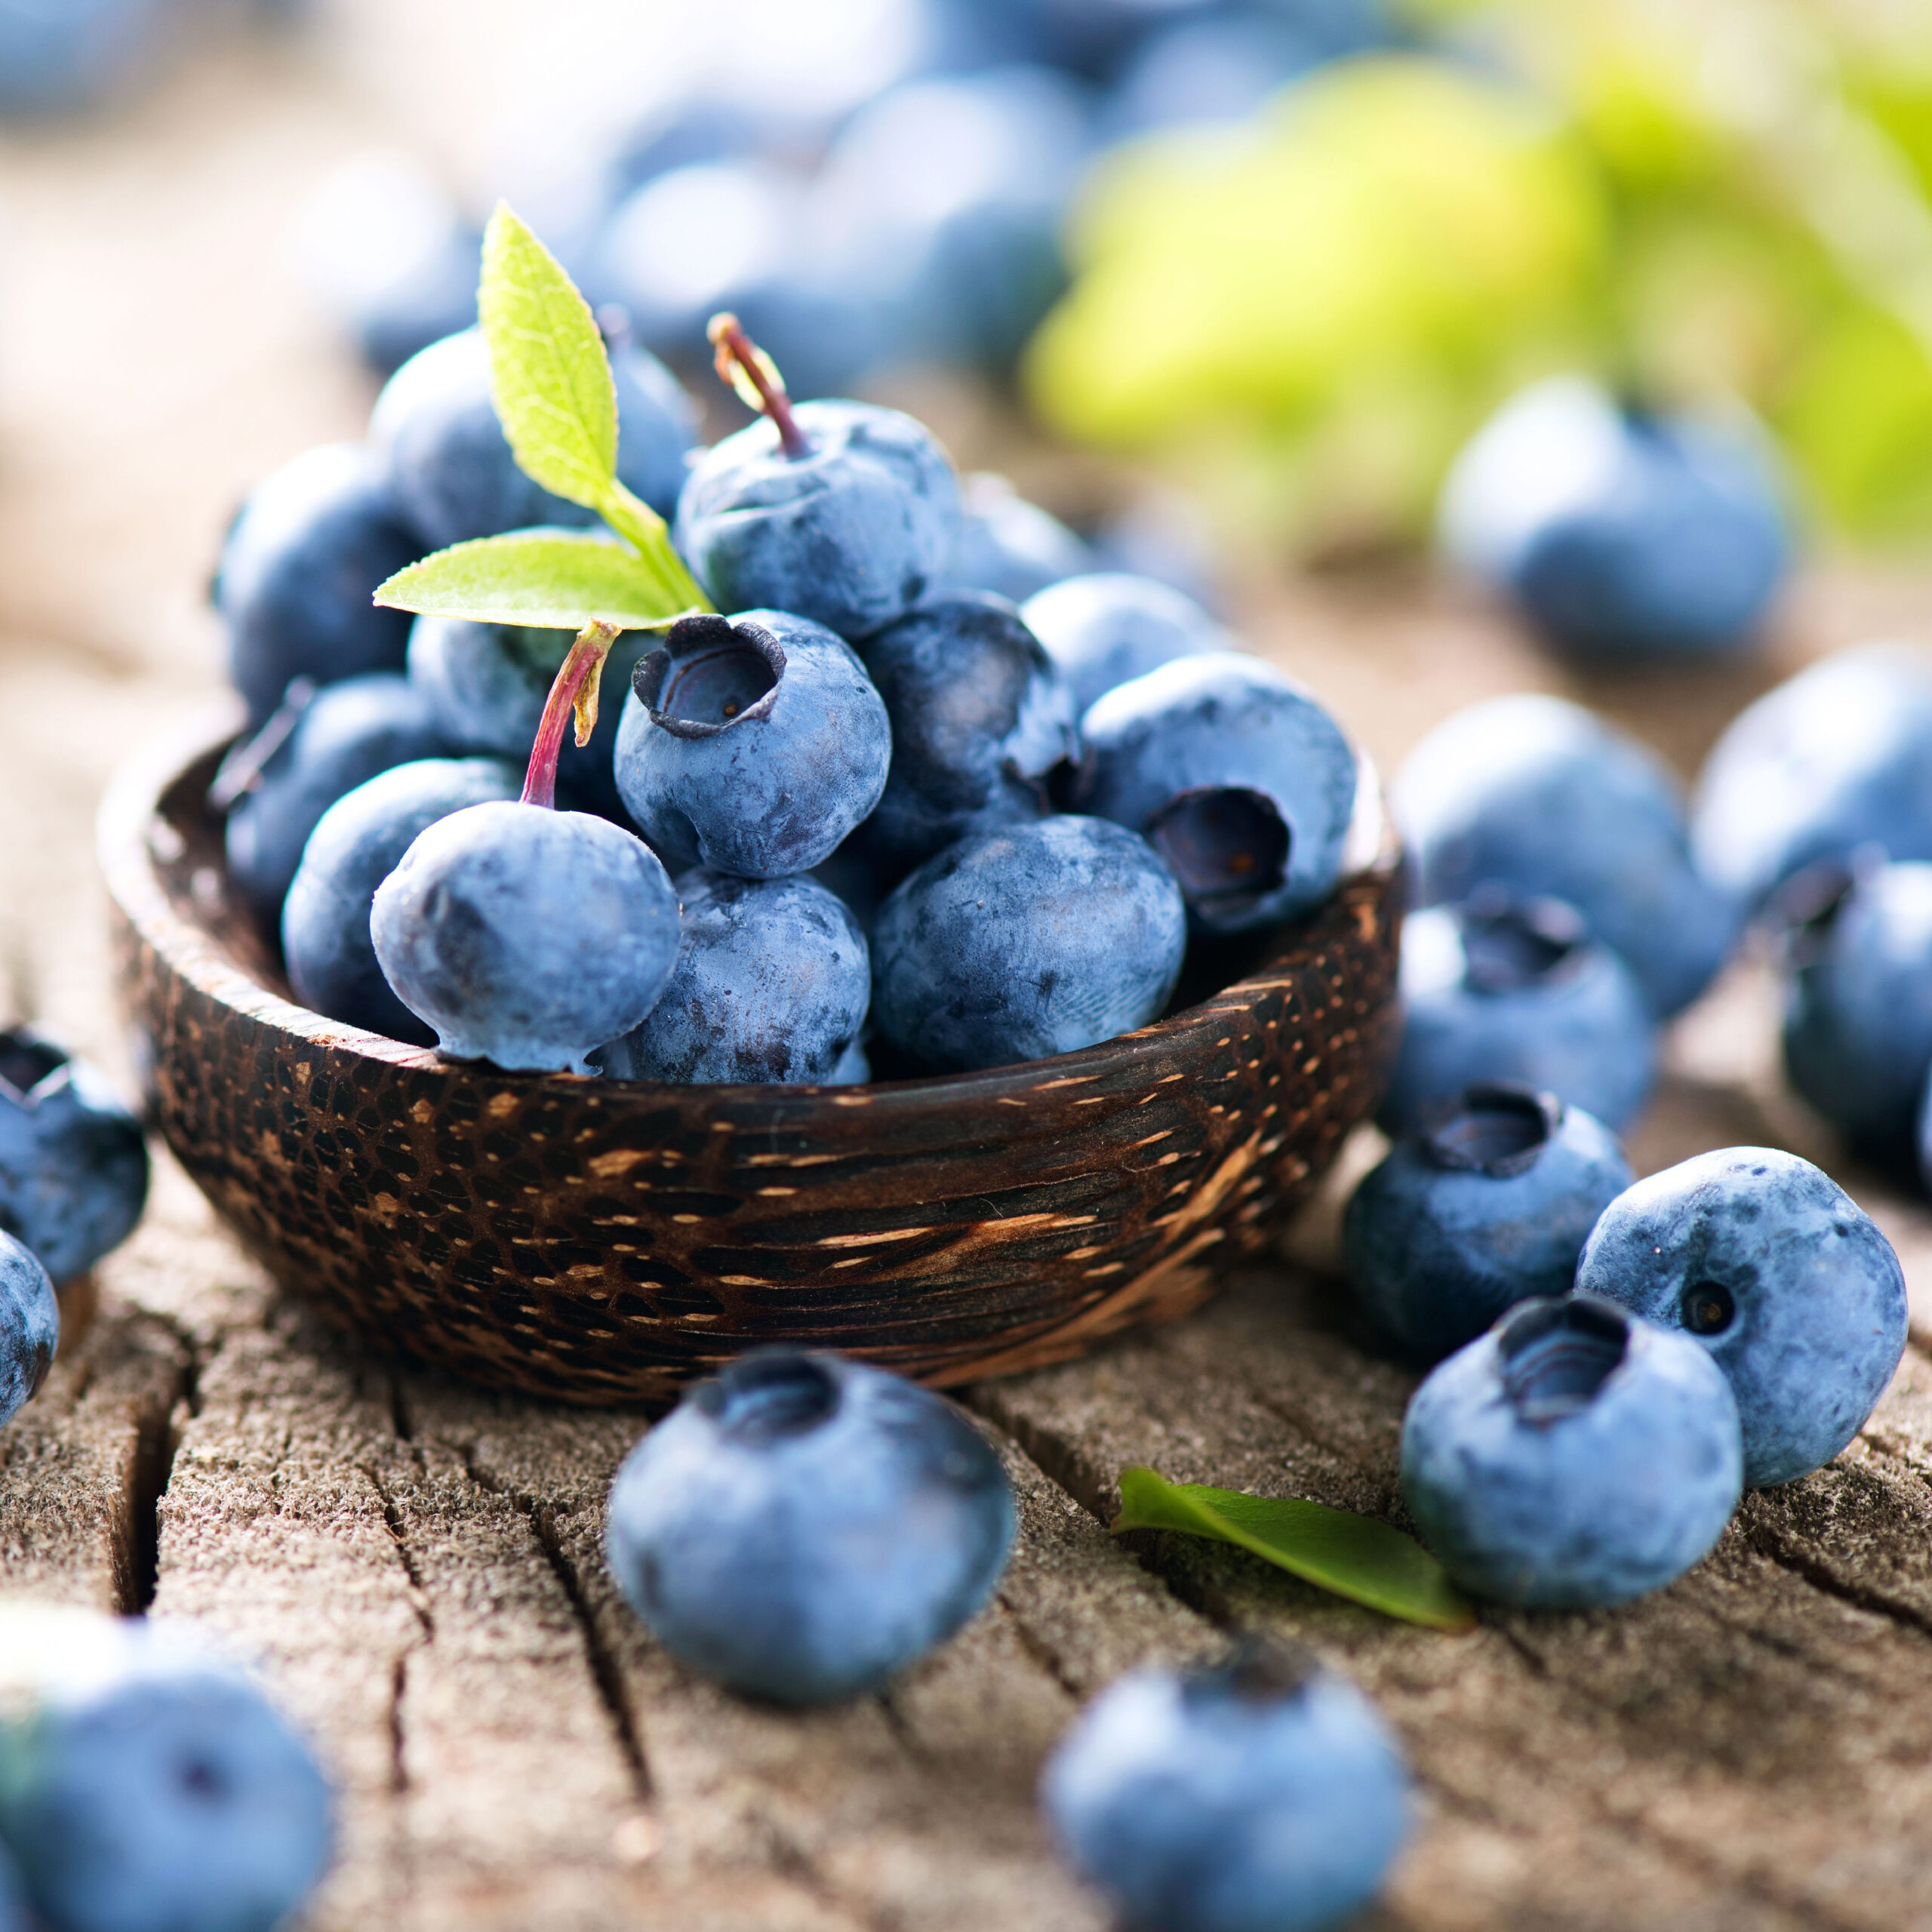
604 1242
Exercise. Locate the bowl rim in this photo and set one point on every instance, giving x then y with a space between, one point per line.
129 817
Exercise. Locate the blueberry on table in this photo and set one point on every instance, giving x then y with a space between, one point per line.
1491 1206
449 465
487 685
981 720
299 573
1537 794
319 746
1008 545
156 1789
359 841
842 513
751 744
772 983
29 1326
1017 944
73 1161
1260 1794
1836 758
1574 1457
801 1527
1108 626
1502 988
1235 775
1771 1268
1858 1004
1623 534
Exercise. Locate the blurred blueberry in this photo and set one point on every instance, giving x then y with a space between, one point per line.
1489 1207
1837 757
1537 794
1774 1270
1235 774
1030 941
751 744
29 1334
854 1068
980 722
802 1526
1106 627
308 755
693 126
161 1793
449 468
1501 989
387 251
772 983
525 937
1573 1457
487 685
59 56
942 201
1858 1003
1625 536
851 534
1163 535
358 842
73 1161
298 571
1258 1795
1008 545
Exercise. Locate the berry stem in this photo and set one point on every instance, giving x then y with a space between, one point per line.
744 367
573 691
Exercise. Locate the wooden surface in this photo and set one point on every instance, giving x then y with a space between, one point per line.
416 1564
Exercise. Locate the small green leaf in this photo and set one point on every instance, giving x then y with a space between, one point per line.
549 374
1355 1557
555 579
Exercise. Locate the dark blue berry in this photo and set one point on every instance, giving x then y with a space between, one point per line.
1108 626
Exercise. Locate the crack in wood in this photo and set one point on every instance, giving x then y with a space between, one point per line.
419 1594
157 1431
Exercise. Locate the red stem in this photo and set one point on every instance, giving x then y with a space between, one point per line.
573 690
739 357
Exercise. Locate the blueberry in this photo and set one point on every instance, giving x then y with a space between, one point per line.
751 744
1235 775
980 720
1622 533
801 1527
1837 757
449 465
1491 1206
159 1790
1108 626
697 125
1034 940
1200 72
526 937
850 535
1008 545
29 1328
1502 989
942 201
1262 1794
1858 1005
303 760
1536 794
772 984
298 572
854 1068
55 60
359 841
1776 1272
1573 1457
73 1164
487 685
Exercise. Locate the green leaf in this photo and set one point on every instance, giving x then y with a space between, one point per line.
551 578
1355 1557
549 374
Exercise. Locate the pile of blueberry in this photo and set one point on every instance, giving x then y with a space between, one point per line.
889 188
901 810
